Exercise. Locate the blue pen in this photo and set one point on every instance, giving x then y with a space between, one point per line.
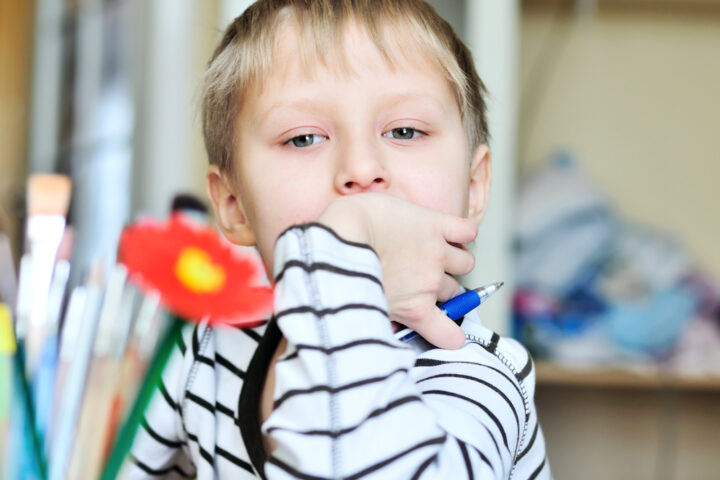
457 307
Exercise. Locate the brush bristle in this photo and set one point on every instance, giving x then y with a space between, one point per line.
49 194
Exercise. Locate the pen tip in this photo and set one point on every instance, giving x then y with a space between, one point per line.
493 286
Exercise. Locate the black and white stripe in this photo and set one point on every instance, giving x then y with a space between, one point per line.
190 429
350 401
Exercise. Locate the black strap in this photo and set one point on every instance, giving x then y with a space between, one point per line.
249 401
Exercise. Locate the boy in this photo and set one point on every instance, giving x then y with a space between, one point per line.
347 141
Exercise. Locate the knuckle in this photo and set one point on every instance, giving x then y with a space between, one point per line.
471 262
434 253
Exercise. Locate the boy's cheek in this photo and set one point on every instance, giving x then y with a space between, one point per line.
442 192
277 216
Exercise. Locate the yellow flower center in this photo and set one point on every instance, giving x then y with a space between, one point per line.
197 272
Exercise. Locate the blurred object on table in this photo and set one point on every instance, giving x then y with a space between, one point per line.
596 290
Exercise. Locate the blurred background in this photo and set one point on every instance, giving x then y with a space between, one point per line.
603 215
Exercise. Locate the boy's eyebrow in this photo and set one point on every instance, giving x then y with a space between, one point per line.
399 99
392 100
300 105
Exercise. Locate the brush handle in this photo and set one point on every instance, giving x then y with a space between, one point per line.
94 423
74 389
43 386
27 451
149 386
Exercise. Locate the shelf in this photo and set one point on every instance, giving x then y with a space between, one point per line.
550 374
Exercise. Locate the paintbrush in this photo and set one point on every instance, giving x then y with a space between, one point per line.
68 345
127 376
43 381
8 280
141 343
25 457
48 201
104 370
74 388
7 350
8 290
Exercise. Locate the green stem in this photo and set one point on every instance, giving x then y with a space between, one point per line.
127 433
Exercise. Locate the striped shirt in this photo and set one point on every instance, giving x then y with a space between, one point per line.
350 401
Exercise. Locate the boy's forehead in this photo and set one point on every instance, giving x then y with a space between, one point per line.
297 52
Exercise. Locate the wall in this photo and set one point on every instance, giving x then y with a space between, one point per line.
636 95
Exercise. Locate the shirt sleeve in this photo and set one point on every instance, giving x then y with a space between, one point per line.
349 402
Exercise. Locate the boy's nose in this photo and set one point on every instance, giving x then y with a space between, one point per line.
361 171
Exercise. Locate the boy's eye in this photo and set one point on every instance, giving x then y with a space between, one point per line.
403 133
306 140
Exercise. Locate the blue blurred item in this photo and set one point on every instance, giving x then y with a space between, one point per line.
652 324
546 325
565 228
27 462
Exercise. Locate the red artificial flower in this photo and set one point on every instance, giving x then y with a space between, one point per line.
197 274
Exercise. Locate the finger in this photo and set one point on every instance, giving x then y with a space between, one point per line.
439 330
459 230
449 288
458 261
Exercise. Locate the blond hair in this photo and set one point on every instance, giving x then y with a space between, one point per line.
244 55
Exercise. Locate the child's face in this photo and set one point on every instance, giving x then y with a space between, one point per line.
306 138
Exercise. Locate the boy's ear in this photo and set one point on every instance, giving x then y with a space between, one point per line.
228 208
478 194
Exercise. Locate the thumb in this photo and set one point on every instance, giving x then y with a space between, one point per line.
441 331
